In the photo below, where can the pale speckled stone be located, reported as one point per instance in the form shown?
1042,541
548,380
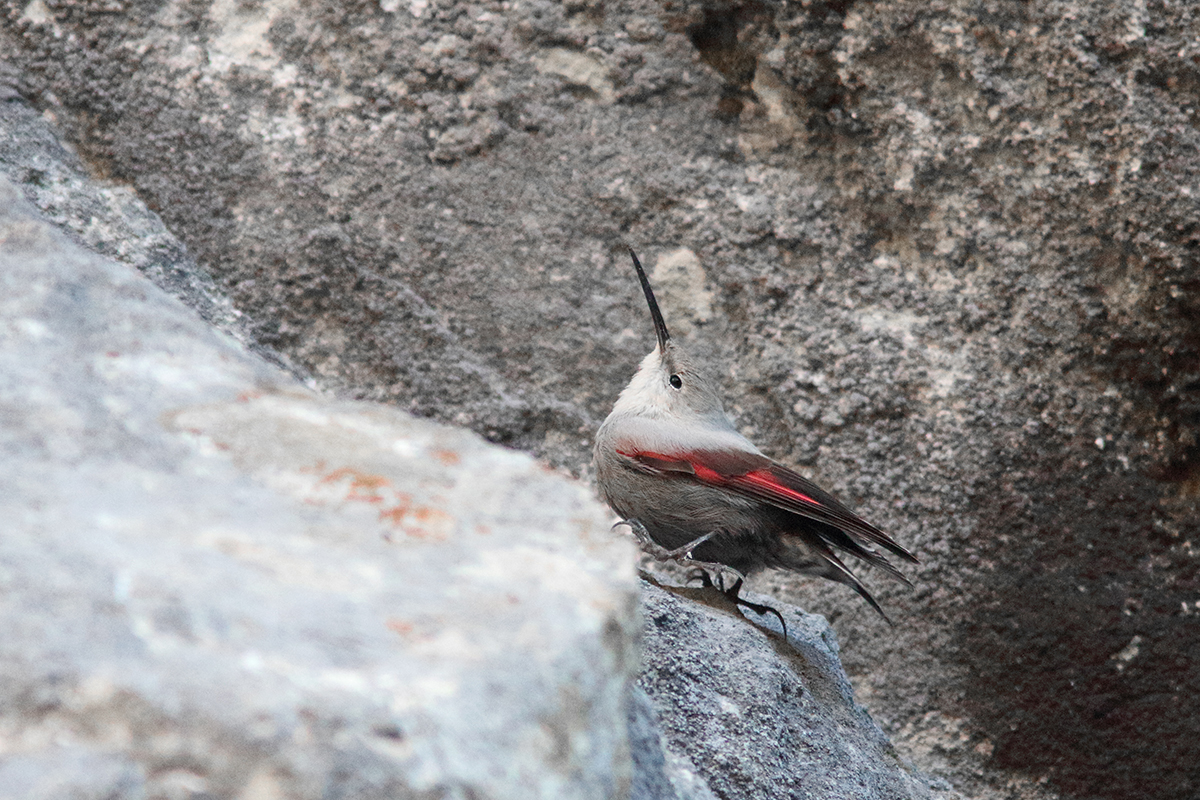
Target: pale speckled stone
206,563
680,286
978,218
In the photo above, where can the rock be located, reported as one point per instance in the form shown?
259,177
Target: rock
214,582
752,716
952,257
678,275
577,69
350,469
107,219
70,773
651,780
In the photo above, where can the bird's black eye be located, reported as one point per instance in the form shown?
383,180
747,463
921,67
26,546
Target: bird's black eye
676,382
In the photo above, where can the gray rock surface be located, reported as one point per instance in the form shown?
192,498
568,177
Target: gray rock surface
108,219
216,475
70,773
744,714
947,262
215,583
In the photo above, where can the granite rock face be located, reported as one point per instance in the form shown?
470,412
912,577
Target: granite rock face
215,583
744,714
944,253
219,584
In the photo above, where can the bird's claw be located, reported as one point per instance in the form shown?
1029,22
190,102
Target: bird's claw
685,553
764,609
680,555
711,566
642,535
733,593
683,557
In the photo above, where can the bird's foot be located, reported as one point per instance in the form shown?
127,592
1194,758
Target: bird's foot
681,555
706,581
758,608
685,553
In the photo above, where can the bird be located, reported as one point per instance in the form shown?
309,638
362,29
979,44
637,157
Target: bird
669,461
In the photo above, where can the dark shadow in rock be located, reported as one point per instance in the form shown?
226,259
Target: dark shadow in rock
1079,639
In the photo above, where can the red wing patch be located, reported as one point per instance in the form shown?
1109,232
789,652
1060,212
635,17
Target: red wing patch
755,476
726,470
766,480
781,487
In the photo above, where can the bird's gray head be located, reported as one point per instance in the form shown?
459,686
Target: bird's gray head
668,382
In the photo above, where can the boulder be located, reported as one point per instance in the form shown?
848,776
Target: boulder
744,713
942,253
217,583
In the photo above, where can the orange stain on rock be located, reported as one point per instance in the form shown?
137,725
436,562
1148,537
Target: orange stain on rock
398,512
363,487
396,508
447,458
419,522
428,514
400,626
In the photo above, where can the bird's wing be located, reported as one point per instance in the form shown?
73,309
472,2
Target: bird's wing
751,474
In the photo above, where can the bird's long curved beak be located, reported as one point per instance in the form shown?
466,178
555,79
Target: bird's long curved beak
660,327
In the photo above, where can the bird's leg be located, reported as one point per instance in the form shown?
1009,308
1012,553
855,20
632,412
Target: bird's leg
685,553
758,608
680,555
707,582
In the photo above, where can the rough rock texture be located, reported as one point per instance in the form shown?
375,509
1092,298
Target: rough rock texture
214,583
948,265
746,715
106,218
70,773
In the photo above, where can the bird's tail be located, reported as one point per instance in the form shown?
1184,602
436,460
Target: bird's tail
817,558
